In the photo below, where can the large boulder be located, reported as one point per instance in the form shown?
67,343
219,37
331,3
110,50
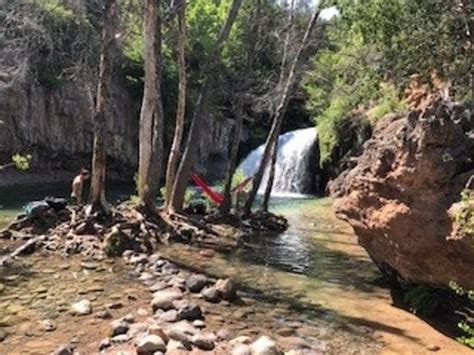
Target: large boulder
398,195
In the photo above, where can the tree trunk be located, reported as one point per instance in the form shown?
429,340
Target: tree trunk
239,116
279,114
99,155
151,115
175,152
271,174
233,155
189,156
283,71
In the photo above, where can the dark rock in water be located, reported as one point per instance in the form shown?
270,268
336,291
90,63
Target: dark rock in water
189,311
66,349
57,204
37,208
195,283
398,196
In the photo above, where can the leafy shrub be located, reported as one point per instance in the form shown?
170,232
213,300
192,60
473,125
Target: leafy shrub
388,103
466,325
464,218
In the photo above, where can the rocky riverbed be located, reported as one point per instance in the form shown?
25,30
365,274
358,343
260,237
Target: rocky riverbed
146,304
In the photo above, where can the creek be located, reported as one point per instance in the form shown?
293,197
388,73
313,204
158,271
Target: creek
313,281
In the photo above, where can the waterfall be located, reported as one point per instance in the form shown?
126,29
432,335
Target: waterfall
295,169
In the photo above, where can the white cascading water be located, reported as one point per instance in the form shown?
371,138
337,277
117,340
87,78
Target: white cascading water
293,172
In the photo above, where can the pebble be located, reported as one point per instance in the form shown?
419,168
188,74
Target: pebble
66,349
169,316
104,344
119,339
119,327
157,330
164,299
115,305
158,286
3,335
181,331
203,341
89,265
433,347
104,314
285,332
210,295
241,349
225,334
142,312
195,283
82,307
150,344
190,311
227,289
264,346
199,324
129,318
48,325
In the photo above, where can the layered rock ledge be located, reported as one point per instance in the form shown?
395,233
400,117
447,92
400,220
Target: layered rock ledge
399,194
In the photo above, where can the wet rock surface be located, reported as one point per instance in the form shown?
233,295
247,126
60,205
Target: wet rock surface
398,196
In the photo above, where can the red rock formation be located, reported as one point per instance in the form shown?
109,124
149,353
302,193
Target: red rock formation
398,195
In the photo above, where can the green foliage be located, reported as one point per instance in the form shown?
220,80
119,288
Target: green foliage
464,218
370,52
64,42
423,300
22,162
467,325
238,177
388,103
420,37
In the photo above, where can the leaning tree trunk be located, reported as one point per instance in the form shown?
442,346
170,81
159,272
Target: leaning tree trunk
271,174
279,114
189,156
283,71
181,107
239,116
99,155
234,151
151,115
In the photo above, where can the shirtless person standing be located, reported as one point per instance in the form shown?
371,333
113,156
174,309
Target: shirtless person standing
77,185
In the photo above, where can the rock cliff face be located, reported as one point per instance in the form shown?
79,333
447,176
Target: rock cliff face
398,195
55,125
